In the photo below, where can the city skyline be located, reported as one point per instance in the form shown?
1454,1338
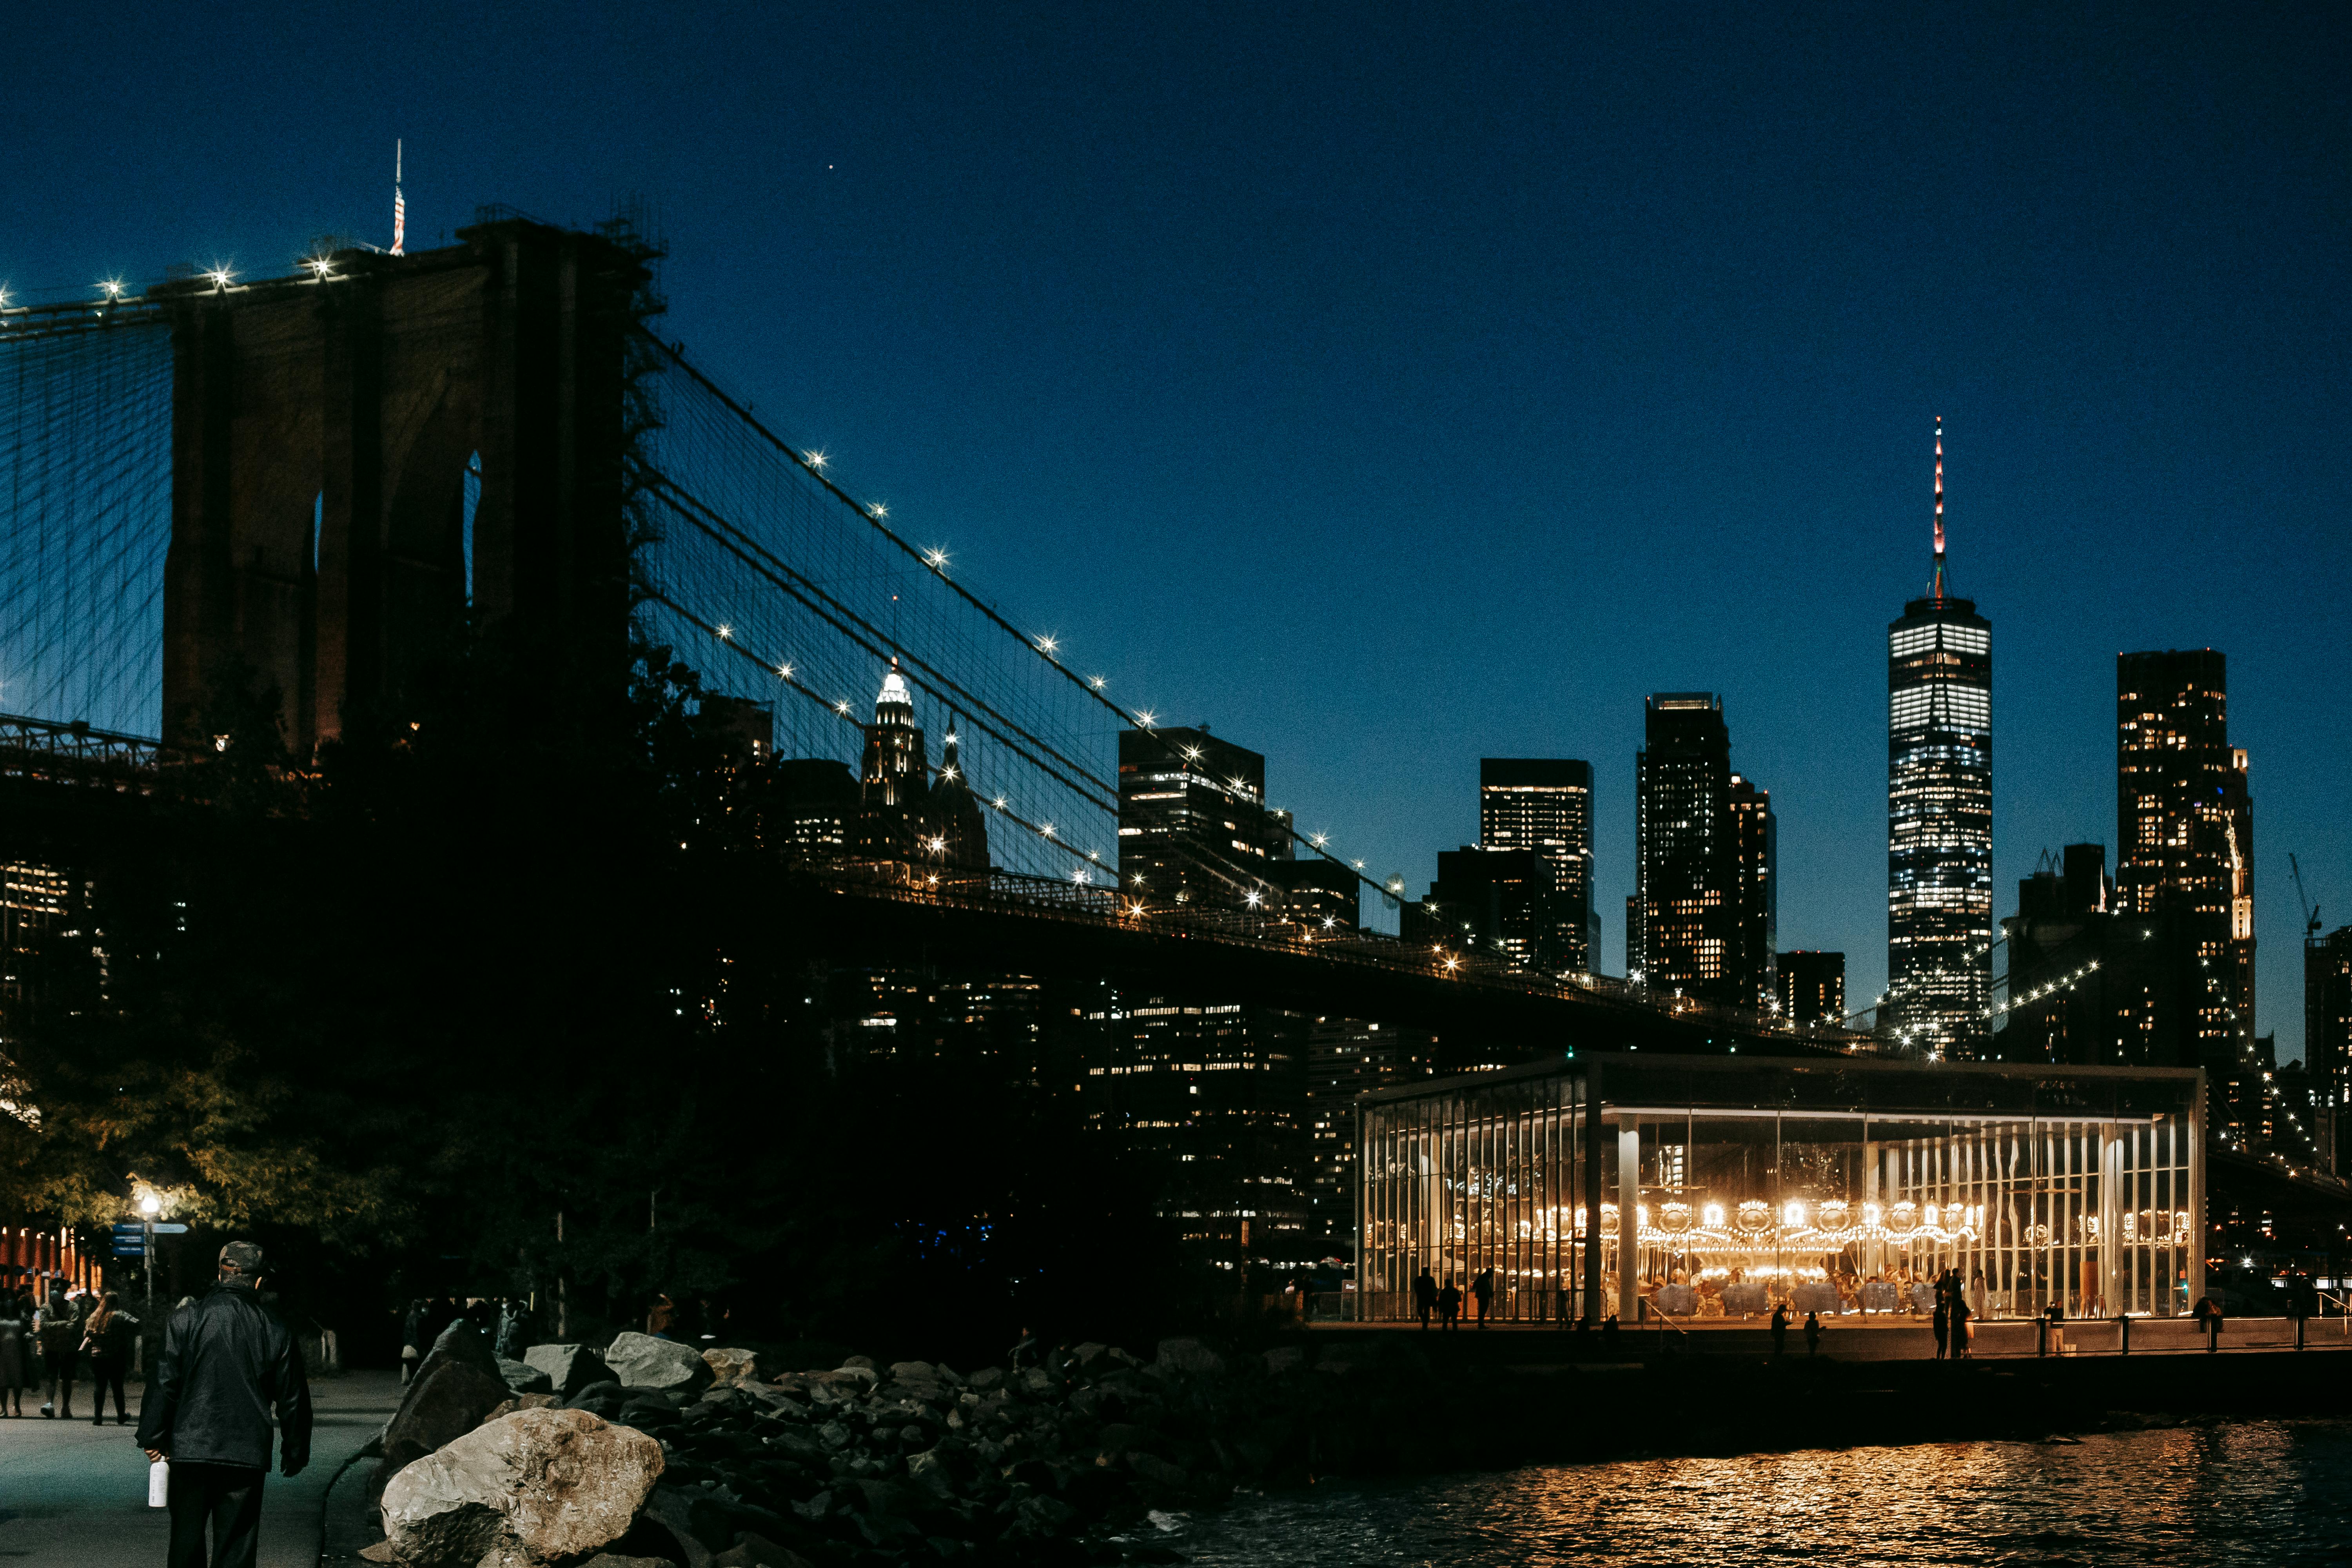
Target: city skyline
1114,322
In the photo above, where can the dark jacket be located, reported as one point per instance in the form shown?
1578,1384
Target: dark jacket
227,1361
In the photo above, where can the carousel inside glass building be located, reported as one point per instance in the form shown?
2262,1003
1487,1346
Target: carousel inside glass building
1705,1190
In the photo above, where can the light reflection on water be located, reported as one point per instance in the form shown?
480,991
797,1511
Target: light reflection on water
2270,1493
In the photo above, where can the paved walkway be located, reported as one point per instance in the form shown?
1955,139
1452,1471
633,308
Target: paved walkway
74,1495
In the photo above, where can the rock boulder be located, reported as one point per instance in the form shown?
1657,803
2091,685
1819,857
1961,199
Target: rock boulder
448,1399
569,1368
525,1378
534,1488
732,1365
641,1361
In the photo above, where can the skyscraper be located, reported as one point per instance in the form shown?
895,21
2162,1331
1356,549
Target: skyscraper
1688,894
1755,841
1193,827
1938,813
2327,1040
1493,901
1545,803
903,815
1812,986
2187,826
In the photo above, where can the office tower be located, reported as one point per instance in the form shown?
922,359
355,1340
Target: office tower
1545,803
2327,1040
1686,866
1754,843
2187,827
1193,827
1812,986
1493,901
893,778
1346,1057
1320,894
1939,814
815,809
1212,1097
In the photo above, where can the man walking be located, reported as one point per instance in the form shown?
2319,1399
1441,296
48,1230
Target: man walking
227,1361
59,1336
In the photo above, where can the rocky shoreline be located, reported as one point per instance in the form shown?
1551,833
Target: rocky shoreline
1065,1461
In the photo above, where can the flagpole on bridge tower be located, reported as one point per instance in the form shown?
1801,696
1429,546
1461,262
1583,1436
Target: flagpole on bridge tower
399,206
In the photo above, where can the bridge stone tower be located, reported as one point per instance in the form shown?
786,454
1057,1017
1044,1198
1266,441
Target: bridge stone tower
323,431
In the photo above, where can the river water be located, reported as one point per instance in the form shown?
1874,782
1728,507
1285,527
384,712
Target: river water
2274,1493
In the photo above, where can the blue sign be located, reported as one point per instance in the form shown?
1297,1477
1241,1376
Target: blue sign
131,1250
171,1230
129,1230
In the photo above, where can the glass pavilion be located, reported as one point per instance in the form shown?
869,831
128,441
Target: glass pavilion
1711,1188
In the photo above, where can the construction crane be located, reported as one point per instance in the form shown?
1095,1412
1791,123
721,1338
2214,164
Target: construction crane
2310,909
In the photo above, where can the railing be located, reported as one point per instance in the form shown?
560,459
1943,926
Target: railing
39,748
1006,892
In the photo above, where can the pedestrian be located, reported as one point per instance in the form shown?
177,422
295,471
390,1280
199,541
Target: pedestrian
1812,1335
1961,1327
1424,1297
514,1332
1482,1290
15,1351
1780,1329
58,1332
1943,1322
1449,1305
1025,1351
106,1338
413,1339
228,1362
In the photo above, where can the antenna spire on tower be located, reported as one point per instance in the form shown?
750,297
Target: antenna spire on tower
399,205
1939,590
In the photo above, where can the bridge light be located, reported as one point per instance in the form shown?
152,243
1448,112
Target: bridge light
1252,899
1359,865
1047,646
221,277
786,670
113,288
1192,753
1321,839
726,632
1096,681
1144,720
842,709
1045,829
949,771
1452,964
877,511
816,460
1331,922
319,266
1079,877
936,559
999,803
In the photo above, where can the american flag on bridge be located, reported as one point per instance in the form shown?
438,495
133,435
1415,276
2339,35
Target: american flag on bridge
399,206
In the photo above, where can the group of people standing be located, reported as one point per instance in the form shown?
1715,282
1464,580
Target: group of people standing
1446,1300
60,1326
505,1324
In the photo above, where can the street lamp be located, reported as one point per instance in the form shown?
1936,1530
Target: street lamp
150,1205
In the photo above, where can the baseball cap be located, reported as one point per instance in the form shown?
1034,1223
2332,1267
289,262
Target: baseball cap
245,1254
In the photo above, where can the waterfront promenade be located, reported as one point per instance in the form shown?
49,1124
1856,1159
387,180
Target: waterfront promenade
71,1493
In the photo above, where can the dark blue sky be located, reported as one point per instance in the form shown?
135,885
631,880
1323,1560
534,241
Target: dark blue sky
1397,384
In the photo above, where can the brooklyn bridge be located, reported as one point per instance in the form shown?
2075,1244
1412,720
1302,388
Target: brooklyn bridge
307,481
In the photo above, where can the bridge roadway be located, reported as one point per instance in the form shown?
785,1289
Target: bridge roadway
851,911
72,797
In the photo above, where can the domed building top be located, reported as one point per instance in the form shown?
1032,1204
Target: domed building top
895,695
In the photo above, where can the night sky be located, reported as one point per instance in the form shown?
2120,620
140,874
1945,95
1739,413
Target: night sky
1393,385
